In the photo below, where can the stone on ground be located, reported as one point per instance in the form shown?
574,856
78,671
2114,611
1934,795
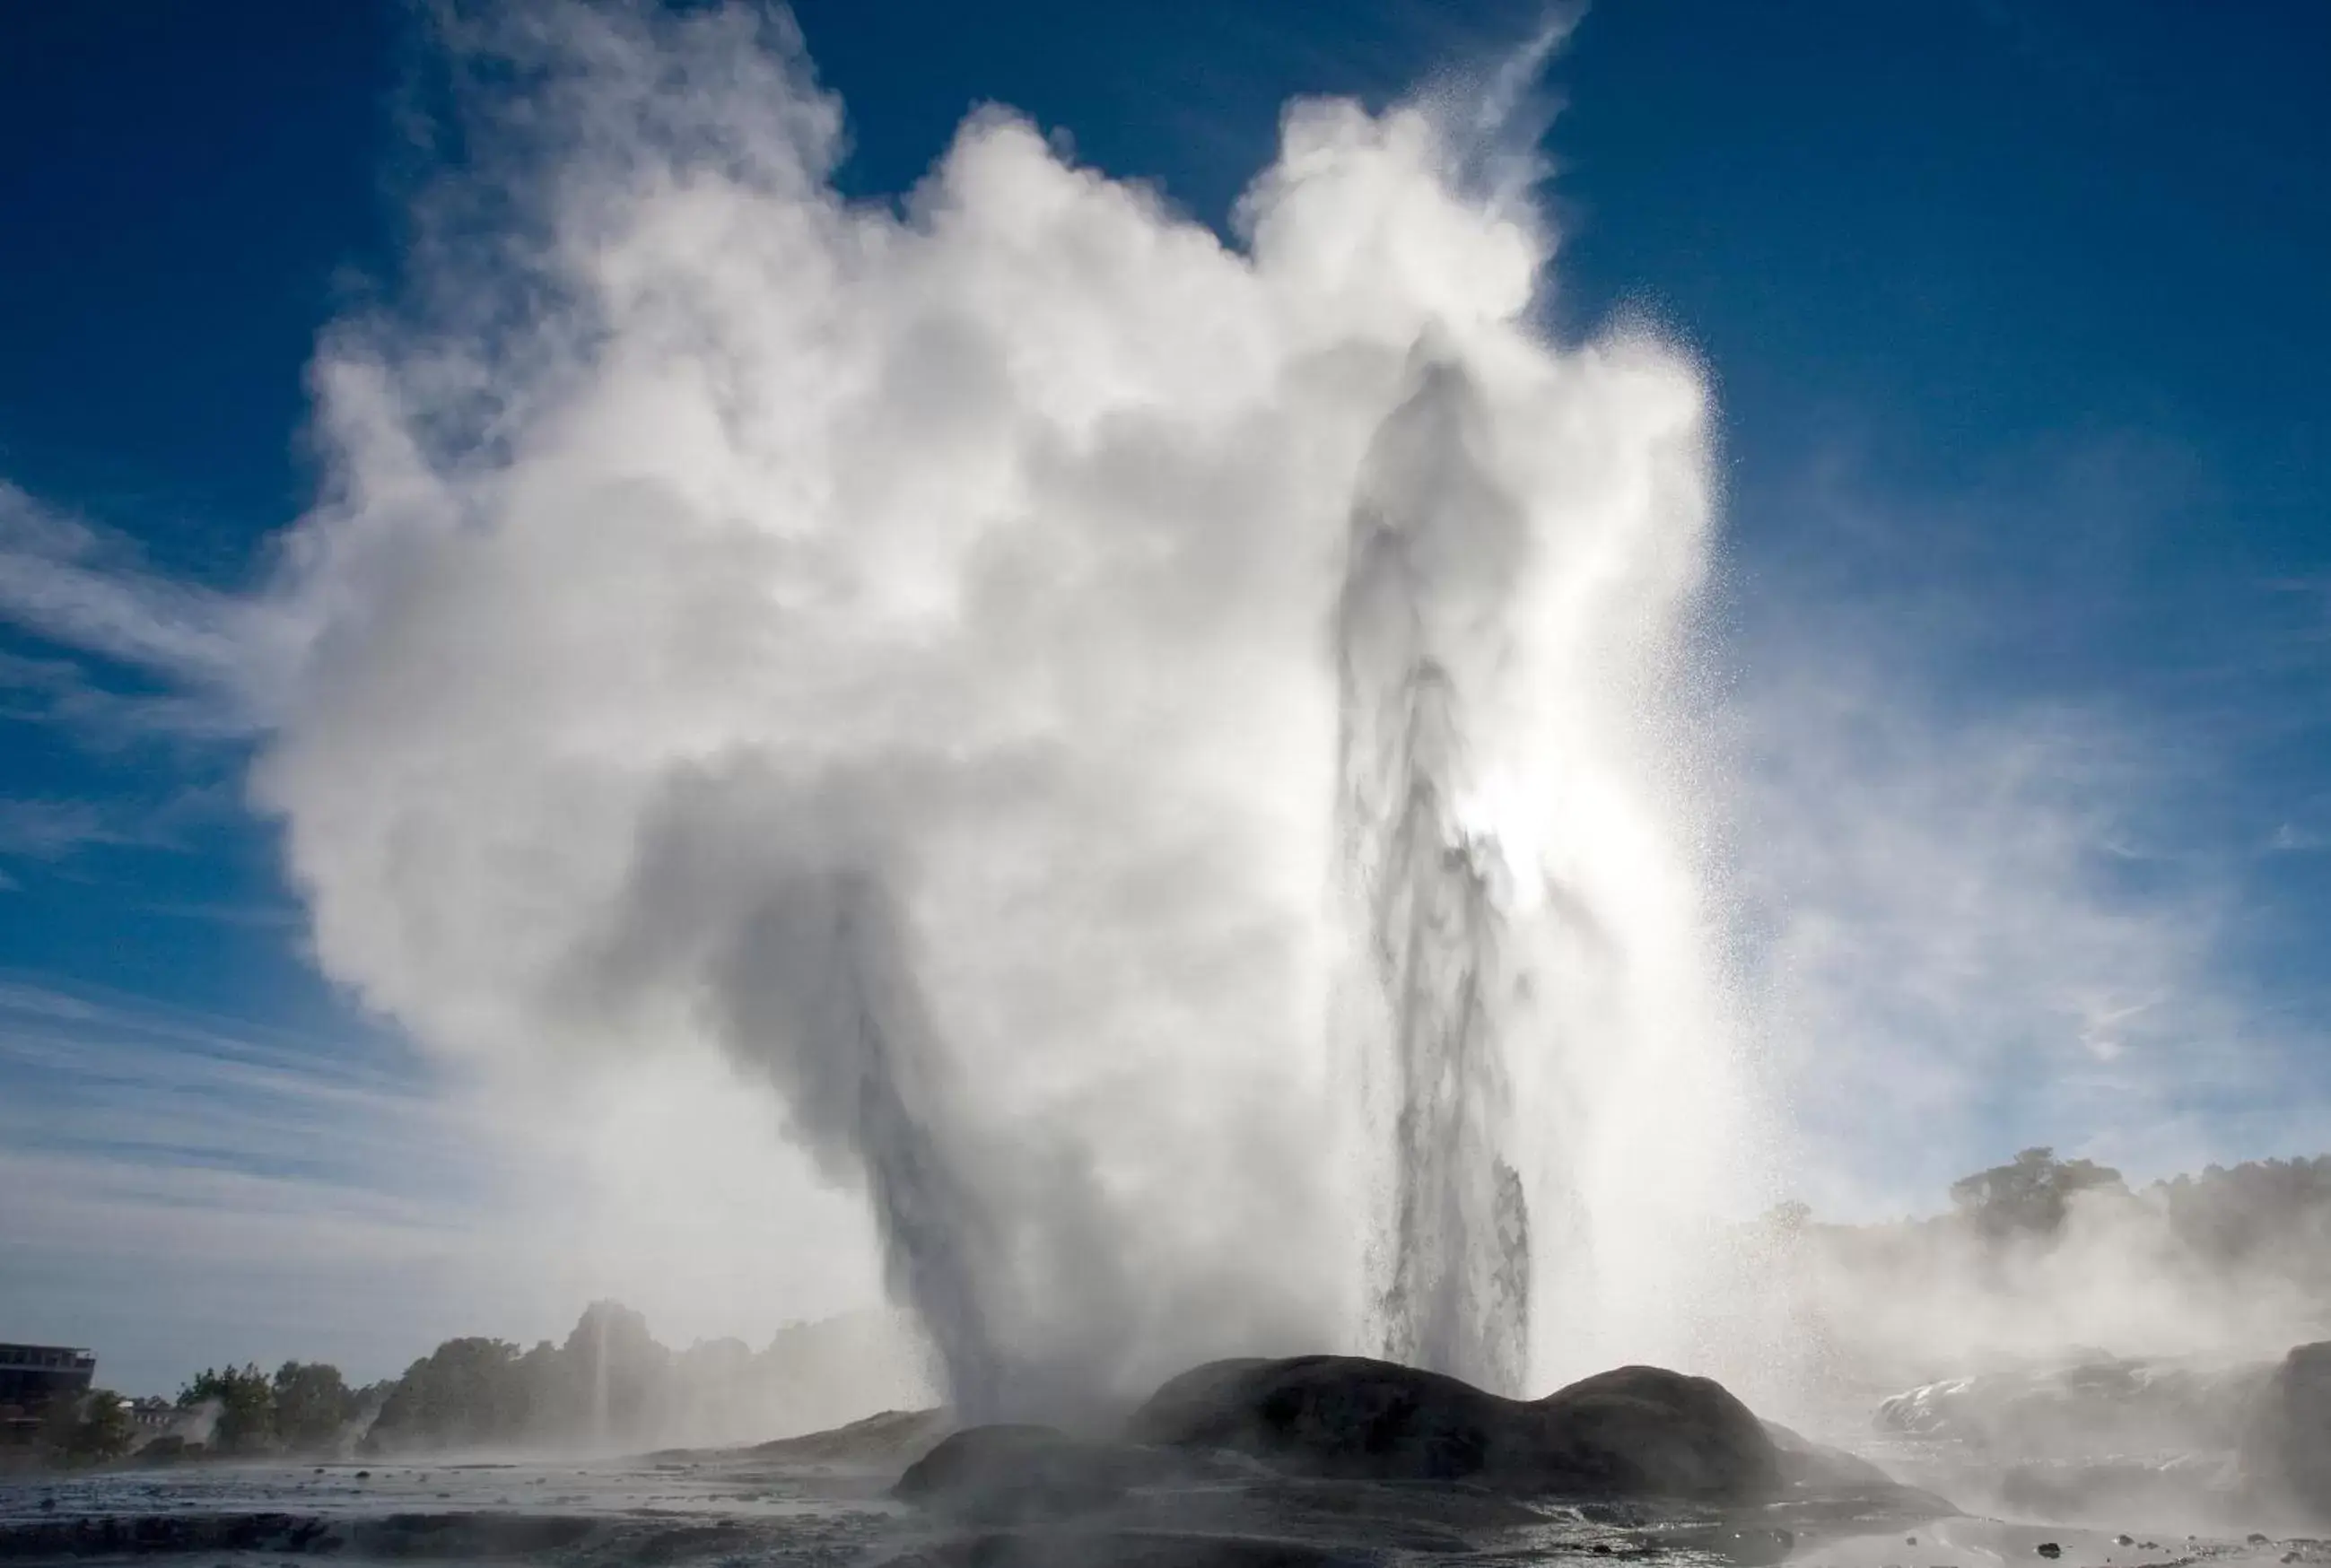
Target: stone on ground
1636,1431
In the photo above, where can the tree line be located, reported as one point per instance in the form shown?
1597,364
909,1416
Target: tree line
303,1407
608,1383
2263,1214
2043,1256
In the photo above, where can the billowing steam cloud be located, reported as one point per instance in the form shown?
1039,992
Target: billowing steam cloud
1166,757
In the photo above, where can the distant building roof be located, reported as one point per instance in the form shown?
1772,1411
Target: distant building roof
31,1375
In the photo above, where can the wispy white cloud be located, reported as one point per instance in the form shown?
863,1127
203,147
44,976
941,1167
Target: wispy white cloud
55,830
2307,833
1983,913
86,589
50,830
226,1172
137,655
176,1190
257,913
1950,967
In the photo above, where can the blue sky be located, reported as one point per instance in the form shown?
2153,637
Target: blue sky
2016,320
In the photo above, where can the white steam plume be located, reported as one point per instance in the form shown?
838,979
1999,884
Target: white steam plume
898,650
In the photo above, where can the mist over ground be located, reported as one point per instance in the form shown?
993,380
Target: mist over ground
2168,1302
2045,1262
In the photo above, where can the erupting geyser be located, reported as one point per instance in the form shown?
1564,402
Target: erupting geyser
1172,758
1436,547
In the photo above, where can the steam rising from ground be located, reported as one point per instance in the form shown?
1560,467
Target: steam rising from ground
899,649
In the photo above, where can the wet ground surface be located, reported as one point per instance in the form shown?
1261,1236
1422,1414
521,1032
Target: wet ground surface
652,1485
647,1510
738,1508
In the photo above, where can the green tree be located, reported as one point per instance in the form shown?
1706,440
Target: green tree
610,1379
88,1429
465,1392
1788,1219
243,1407
312,1404
616,1375
2031,1194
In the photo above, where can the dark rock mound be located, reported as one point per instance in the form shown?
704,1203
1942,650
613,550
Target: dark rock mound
1342,1417
1637,1431
1806,1463
1004,1474
169,1448
1646,1431
2286,1454
1840,1485
890,1440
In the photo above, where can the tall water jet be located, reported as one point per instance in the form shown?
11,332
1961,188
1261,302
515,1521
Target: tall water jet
1433,549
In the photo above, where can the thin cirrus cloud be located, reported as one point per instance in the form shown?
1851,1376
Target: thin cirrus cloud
51,830
149,1153
69,582
1993,903
125,661
287,1195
